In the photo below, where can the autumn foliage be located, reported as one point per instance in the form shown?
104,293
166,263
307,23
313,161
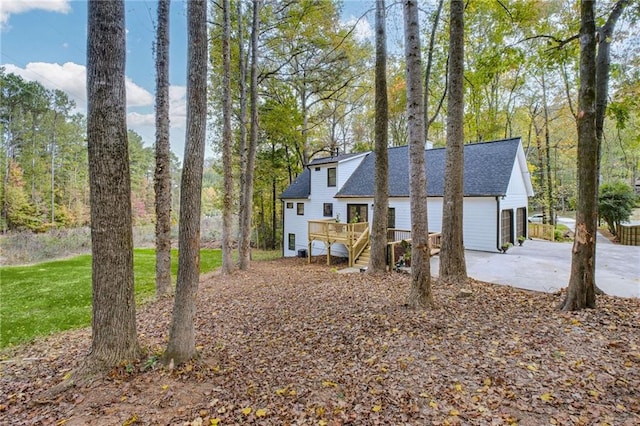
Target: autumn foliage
291,343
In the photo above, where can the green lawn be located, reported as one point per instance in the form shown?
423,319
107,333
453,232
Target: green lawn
54,296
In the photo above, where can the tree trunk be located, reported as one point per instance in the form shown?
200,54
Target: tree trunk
453,267
427,75
162,185
548,195
581,288
227,198
244,245
181,345
242,123
420,295
378,260
603,66
114,337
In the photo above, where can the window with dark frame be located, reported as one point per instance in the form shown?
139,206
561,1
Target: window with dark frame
289,205
300,208
391,217
331,176
327,209
292,241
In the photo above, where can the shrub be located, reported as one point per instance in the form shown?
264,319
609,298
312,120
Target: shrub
615,204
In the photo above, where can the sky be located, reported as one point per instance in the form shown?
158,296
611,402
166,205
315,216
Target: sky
45,41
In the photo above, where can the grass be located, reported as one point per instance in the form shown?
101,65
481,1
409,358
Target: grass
49,297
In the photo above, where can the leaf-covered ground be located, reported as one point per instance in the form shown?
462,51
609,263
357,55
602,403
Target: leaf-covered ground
291,343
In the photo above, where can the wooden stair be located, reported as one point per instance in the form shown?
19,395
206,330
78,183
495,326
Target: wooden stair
363,260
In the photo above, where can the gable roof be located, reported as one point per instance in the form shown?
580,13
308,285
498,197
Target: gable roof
333,159
487,172
301,186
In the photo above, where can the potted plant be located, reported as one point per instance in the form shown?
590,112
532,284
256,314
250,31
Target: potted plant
505,247
405,258
521,240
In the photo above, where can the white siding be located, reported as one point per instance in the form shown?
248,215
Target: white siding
480,223
347,167
314,207
516,196
295,224
403,212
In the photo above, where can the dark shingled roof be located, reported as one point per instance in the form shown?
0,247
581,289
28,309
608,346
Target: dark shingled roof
335,159
300,187
487,171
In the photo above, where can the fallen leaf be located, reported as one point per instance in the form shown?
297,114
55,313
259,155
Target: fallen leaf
246,411
376,408
546,397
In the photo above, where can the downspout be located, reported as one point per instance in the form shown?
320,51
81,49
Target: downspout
284,235
498,245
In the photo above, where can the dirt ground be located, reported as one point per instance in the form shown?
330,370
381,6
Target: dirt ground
294,344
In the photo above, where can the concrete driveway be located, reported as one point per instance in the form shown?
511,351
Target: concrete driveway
545,266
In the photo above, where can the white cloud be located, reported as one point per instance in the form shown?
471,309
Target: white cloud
12,7
363,30
69,77
72,79
177,111
178,106
136,119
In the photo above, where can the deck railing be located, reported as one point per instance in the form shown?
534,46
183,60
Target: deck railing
399,241
355,236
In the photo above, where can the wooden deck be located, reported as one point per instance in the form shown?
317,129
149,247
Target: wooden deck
355,236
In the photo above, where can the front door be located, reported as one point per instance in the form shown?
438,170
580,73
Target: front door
357,213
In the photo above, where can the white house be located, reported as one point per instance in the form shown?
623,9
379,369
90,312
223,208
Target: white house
497,186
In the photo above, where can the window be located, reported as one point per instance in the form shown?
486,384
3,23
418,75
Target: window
289,205
300,207
292,241
331,176
327,209
391,217
357,213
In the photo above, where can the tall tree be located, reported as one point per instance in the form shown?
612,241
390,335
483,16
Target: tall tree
244,245
243,148
114,337
452,262
581,288
162,185
420,295
603,67
429,67
181,345
227,197
381,189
